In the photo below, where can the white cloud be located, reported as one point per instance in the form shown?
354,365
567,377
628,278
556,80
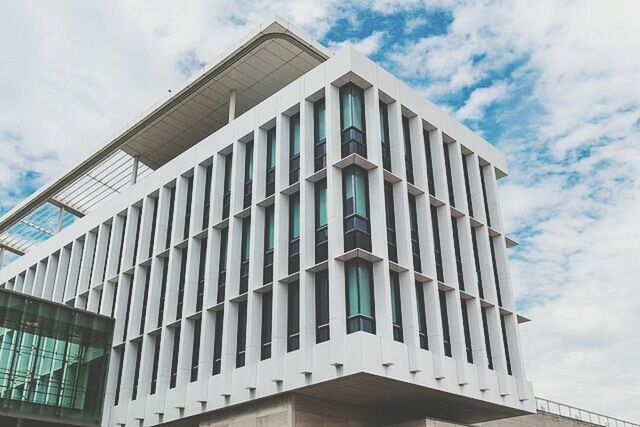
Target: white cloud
368,45
480,99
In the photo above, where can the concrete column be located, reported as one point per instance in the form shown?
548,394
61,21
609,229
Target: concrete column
134,169
59,221
232,105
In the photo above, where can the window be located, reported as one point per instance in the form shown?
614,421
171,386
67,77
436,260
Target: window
143,315
195,352
207,196
391,221
126,316
294,148
217,344
201,270
465,170
322,306
447,165
415,237
506,343
352,120
360,304
356,208
319,136
436,243
396,307
456,246
408,160
476,259
248,175
245,250
467,330
241,334
427,150
181,282
271,162
265,333
484,195
269,240
154,220
122,237
294,233
172,203
135,245
422,317
487,339
496,276
446,335
187,209
226,198
119,380
106,254
174,358
163,291
136,372
384,135
222,264
293,316
156,360
322,230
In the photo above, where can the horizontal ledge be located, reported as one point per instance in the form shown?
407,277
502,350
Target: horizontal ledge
390,177
358,253
318,176
292,189
354,159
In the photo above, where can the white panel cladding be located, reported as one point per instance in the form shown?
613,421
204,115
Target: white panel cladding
89,265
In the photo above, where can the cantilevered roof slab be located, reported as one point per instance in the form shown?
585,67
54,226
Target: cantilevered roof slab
258,68
267,60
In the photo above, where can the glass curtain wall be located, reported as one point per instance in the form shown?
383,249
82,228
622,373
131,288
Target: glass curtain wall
53,359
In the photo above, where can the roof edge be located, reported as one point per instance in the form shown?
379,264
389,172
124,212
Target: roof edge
274,28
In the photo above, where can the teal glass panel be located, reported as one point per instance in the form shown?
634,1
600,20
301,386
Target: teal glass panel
249,162
352,287
364,290
270,230
351,107
271,148
295,217
395,300
246,238
320,124
53,360
359,289
294,135
227,173
361,193
322,206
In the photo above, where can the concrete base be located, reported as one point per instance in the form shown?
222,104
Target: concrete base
299,410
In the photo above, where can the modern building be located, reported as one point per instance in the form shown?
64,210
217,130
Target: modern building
294,226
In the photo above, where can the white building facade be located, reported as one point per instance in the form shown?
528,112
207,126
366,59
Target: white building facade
342,236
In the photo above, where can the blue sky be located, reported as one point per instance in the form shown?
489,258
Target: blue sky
556,85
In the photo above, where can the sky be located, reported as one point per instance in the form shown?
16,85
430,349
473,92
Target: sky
554,84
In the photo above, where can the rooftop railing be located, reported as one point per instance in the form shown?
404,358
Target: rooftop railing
568,411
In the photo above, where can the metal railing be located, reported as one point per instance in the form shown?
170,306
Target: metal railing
568,411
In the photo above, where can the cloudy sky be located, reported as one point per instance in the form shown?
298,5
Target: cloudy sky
555,84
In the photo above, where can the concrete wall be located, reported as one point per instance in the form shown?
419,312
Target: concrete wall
536,420
298,410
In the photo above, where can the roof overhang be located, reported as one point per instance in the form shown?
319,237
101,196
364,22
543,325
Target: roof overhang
267,60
